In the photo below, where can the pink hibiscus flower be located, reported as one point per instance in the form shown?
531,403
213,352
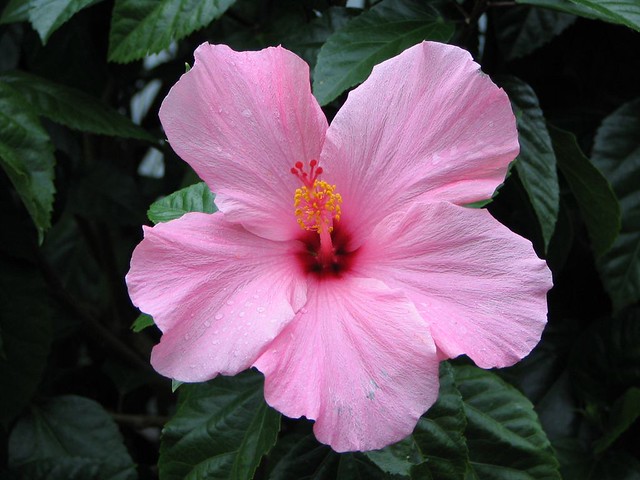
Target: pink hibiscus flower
342,263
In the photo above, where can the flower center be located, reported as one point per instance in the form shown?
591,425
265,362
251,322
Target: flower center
317,206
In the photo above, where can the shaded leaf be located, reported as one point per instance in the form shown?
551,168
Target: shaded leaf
47,16
606,360
73,108
597,202
623,12
616,153
26,330
536,163
624,412
195,198
221,429
26,155
142,27
521,30
306,42
15,11
382,32
69,437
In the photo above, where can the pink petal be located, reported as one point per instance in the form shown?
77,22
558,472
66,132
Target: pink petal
242,120
218,293
427,125
481,287
359,361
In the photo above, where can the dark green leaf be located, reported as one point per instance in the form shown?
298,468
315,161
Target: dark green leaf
480,427
437,445
390,27
175,384
195,198
504,437
521,30
143,321
536,163
306,459
623,12
624,412
221,429
15,11
616,152
307,41
606,360
26,155
579,463
596,200
69,438
73,108
141,27
47,16
25,326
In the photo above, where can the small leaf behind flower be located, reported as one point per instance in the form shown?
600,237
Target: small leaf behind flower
195,198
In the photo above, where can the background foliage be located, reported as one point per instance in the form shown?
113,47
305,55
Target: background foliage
83,159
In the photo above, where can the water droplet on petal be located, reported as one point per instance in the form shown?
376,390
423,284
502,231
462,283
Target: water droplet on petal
260,309
241,314
219,316
229,302
207,323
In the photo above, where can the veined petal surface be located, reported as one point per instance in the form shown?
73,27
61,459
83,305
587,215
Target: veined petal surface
359,360
219,294
480,287
242,120
426,125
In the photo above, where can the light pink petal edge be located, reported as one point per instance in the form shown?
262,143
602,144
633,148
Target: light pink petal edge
219,294
360,362
427,125
242,120
480,287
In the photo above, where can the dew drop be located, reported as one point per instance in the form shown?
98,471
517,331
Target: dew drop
207,323
260,309
229,302
303,310
241,314
219,316
187,336
255,297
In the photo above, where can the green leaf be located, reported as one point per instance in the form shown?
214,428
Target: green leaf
195,198
71,438
624,412
73,108
616,153
579,463
221,429
142,27
382,32
504,438
26,329
622,12
26,155
47,16
143,321
536,163
521,30
15,11
480,427
175,384
437,449
596,200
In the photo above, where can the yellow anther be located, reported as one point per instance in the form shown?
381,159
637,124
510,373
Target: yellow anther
317,207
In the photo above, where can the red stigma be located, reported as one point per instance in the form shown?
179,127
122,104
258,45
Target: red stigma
307,178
